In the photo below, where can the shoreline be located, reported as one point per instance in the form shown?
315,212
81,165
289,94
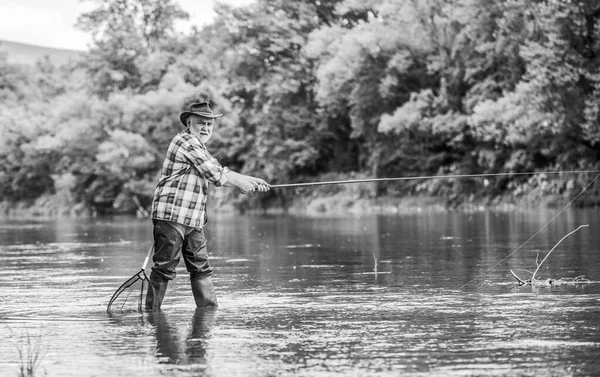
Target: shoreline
339,204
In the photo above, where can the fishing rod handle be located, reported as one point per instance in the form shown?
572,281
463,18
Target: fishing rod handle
328,183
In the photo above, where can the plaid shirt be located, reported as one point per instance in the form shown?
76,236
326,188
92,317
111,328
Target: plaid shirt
181,193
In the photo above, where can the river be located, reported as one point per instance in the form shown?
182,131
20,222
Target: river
421,294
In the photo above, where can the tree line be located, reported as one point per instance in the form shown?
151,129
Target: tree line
314,89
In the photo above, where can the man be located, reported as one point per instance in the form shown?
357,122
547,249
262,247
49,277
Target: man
179,207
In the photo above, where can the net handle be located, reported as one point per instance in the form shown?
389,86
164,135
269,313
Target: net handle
150,251
141,275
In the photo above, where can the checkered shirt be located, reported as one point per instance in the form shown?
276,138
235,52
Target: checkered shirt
182,190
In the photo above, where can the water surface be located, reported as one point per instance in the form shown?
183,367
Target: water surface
418,294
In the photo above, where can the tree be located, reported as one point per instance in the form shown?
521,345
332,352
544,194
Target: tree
270,80
130,40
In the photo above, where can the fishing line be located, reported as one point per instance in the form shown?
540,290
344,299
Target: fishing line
530,238
430,177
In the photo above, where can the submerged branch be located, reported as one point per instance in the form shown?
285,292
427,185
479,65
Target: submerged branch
550,252
521,281
375,267
533,281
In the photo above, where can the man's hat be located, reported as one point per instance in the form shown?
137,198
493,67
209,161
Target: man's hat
203,109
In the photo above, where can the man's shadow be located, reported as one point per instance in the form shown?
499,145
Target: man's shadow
171,349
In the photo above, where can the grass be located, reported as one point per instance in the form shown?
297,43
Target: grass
30,356
31,353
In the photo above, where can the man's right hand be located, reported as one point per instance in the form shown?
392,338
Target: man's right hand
246,183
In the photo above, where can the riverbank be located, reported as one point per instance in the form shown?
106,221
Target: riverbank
345,204
342,203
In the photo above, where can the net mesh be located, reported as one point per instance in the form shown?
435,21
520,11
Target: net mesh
130,295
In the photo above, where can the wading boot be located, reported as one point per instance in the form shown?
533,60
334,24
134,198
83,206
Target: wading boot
204,292
157,288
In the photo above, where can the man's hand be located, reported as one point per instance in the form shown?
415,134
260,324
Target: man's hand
246,183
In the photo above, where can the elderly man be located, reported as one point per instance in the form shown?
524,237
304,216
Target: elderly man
179,207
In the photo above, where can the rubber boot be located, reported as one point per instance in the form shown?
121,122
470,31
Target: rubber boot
157,288
204,292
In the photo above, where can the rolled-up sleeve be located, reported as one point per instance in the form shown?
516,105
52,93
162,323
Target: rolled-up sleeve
208,166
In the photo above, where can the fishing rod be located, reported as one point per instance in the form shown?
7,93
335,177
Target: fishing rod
429,177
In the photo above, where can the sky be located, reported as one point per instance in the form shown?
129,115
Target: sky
50,23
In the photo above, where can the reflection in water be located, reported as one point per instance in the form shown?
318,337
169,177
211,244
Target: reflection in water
189,350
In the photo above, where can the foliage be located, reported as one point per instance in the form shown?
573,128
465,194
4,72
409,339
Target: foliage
313,89
133,43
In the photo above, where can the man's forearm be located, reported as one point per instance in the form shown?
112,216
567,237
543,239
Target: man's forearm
233,179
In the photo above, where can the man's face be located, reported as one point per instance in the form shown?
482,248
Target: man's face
201,127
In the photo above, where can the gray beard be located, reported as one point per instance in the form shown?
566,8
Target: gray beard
203,138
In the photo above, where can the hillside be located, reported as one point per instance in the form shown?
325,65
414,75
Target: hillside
29,54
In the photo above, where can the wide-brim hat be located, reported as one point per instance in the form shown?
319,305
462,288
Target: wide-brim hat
203,109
